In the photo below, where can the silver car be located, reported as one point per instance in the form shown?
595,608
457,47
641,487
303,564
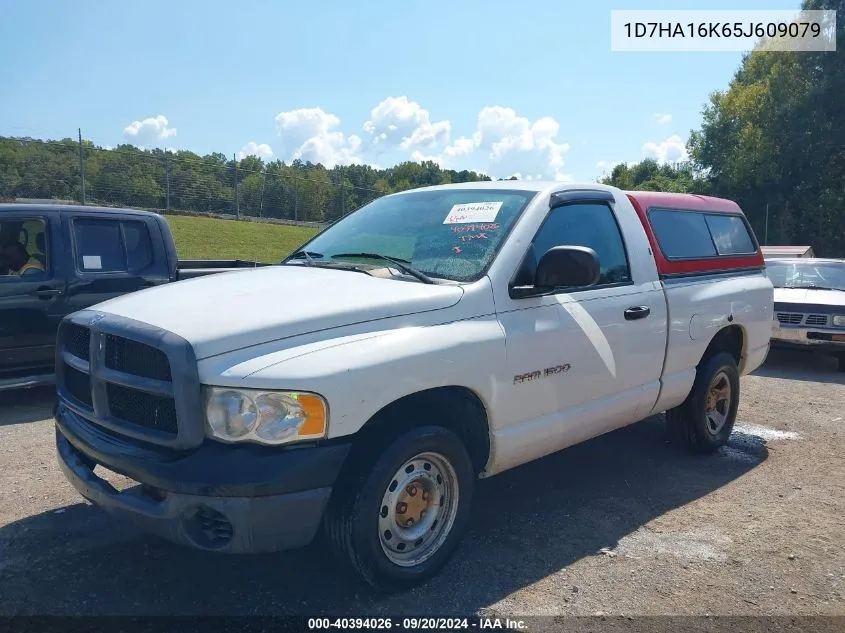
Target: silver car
809,305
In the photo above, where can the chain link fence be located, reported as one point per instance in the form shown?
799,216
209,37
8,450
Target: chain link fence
181,182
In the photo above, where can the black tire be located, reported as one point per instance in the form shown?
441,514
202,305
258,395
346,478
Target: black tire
352,521
688,423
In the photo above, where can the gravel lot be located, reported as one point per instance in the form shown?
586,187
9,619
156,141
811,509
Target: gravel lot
624,524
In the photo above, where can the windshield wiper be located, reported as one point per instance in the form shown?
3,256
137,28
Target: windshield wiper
308,255
812,288
401,264
823,288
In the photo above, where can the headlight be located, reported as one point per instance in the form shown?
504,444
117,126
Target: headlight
265,417
839,320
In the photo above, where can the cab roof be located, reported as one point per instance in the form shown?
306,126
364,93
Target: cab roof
682,201
12,208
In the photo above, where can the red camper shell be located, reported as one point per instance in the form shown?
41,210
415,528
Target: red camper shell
693,235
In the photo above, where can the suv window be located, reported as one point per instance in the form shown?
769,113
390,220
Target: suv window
111,245
23,248
139,249
99,246
592,225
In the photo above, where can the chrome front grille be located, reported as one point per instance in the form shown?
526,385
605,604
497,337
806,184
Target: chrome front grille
816,319
130,378
790,318
799,318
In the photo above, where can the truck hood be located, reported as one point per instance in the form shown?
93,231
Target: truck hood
229,311
810,296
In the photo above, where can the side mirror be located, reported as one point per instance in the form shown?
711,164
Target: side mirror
562,267
566,266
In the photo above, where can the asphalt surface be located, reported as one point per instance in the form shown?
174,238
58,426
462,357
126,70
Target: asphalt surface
622,525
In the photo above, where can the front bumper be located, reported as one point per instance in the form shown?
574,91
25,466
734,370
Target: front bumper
825,340
227,498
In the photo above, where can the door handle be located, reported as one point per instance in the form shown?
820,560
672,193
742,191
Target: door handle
46,293
637,312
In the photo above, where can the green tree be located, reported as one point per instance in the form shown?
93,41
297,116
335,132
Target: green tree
649,175
775,139
134,177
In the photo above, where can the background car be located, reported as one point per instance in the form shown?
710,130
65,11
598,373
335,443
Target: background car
809,305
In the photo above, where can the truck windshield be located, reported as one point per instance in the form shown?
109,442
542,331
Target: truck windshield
447,233
827,275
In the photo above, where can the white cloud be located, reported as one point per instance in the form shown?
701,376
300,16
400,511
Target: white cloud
462,146
419,157
672,150
502,144
400,121
510,145
261,150
515,144
662,119
309,134
149,131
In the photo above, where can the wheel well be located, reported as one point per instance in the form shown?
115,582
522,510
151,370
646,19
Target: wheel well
456,408
730,339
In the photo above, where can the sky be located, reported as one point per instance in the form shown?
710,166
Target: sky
527,88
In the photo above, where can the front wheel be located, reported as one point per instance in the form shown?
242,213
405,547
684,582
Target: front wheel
705,420
400,521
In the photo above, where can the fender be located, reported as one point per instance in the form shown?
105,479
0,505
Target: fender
362,374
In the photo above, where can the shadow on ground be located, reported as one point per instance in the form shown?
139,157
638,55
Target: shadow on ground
21,406
797,365
528,523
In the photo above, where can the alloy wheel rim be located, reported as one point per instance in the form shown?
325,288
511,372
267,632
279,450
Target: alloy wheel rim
718,403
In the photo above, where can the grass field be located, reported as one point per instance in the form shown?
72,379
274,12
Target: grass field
210,238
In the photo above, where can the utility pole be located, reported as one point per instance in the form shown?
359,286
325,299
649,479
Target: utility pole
342,193
167,175
263,182
237,197
766,232
81,165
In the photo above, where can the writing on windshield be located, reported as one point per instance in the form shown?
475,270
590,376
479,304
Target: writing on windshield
449,233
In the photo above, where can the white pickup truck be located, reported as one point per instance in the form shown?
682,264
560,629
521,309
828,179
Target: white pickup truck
430,338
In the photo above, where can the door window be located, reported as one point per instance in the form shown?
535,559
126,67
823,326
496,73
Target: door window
23,248
592,225
111,245
139,249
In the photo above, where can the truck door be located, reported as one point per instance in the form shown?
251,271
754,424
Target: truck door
112,255
586,361
32,296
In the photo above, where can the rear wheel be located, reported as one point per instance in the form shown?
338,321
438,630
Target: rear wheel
399,521
705,420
